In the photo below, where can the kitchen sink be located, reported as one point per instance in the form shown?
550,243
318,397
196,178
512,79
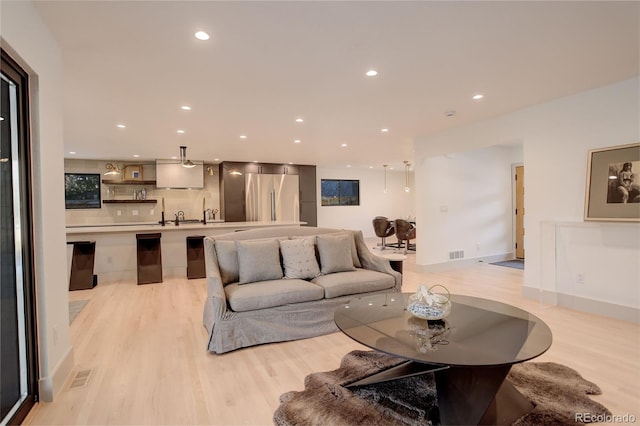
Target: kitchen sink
172,222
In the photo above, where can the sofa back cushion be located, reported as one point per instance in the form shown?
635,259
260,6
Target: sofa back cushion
335,252
299,258
227,261
258,260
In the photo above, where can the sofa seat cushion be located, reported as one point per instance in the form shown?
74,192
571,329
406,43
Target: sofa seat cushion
267,294
353,282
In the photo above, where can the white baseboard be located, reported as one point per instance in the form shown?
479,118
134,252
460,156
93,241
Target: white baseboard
463,263
52,385
611,310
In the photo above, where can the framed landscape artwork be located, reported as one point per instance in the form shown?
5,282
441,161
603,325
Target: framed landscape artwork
613,184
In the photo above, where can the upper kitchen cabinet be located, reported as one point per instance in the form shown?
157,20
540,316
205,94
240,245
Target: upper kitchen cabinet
271,169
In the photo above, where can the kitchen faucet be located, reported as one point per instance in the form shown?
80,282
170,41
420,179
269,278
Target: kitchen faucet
211,213
179,217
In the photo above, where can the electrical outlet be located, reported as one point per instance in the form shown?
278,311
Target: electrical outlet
118,212
152,212
54,334
134,212
109,259
580,278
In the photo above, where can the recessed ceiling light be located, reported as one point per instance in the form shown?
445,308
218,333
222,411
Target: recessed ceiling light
255,161
299,120
372,73
478,96
201,35
385,130
297,141
371,167
185,108
72,152
174,158
180,131
120,126
344,145
216,159
290,162
136,155
348,165
450,114
243,136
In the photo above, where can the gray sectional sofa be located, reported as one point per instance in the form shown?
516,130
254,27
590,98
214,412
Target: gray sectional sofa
284,283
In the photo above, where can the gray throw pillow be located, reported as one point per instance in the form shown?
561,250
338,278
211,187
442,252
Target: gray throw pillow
258,260
227,261
335,253
299,258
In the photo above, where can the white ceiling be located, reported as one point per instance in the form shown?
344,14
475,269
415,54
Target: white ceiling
270,62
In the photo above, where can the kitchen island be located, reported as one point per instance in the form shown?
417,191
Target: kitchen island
115,256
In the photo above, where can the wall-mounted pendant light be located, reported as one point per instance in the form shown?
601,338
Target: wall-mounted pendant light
112,169
183,158
385,177
406,176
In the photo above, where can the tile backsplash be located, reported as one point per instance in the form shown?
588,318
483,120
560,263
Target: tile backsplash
187,200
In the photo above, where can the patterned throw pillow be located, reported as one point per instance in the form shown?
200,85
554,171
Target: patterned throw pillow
299,258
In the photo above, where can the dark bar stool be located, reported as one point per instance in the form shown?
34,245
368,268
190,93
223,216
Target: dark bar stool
82,277
195,257
149,253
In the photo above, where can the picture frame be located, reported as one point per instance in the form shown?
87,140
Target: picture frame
132,172
613,184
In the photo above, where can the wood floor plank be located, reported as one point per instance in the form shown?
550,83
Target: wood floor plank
146,348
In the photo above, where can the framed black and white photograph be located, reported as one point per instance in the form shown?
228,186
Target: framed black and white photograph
613,184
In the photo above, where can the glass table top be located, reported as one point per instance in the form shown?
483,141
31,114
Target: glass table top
477,332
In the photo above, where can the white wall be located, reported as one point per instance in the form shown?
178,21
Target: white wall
469,205
394,204
29,42
556,137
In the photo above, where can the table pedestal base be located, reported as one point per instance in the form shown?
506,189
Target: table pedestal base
466,395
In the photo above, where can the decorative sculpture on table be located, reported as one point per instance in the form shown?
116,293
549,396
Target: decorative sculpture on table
428,305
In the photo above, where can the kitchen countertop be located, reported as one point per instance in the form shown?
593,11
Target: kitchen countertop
148,226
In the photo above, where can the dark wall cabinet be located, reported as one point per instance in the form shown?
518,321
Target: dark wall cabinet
232,191
232,188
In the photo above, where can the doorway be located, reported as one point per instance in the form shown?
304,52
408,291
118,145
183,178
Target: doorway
18,378
519,210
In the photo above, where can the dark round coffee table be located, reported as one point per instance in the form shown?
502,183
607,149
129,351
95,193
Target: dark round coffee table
470,352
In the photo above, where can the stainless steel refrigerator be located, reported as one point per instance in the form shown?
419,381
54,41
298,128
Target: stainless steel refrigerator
272,197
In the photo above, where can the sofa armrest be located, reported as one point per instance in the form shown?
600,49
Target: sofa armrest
216,301
375,263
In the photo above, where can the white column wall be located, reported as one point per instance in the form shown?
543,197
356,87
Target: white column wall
470,204
26,38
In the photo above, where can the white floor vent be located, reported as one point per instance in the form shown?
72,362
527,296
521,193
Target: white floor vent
81,379
454,255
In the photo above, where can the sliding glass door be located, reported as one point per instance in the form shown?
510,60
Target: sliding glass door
18,366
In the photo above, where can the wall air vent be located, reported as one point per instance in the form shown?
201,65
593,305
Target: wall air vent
455,255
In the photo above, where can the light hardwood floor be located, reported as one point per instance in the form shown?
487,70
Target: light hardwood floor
145,347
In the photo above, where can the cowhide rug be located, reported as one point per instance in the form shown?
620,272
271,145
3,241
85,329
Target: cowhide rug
558,392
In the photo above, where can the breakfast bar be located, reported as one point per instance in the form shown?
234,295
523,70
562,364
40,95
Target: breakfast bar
115,244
